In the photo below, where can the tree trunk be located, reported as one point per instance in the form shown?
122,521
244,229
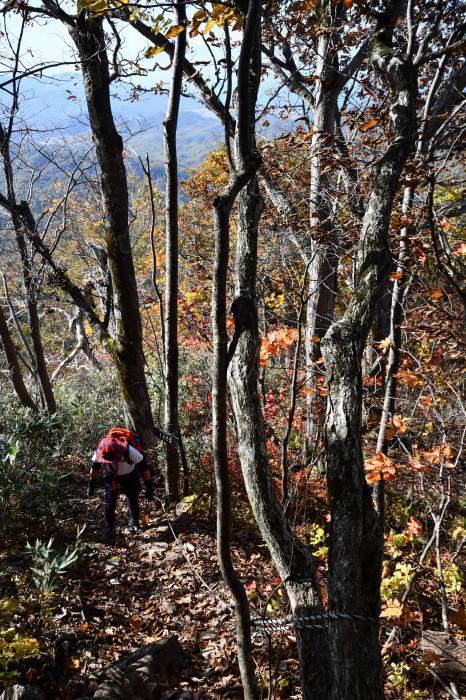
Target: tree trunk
172,469
292,557
13,364
320,251
247,163
356,537
27,276
126,348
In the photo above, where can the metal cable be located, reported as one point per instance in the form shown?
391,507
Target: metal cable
276,624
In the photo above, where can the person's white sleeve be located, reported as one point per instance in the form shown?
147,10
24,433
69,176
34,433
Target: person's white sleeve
134,455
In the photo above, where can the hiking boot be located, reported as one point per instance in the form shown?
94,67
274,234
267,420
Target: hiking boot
134,527
110,534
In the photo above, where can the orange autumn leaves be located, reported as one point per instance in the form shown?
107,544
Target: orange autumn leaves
275,342
395,426
380,466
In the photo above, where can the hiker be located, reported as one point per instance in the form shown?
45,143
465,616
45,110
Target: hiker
118,454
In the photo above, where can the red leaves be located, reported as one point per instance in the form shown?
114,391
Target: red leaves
420,255
437,454
436,357
445,224
408,378
460,249
135,622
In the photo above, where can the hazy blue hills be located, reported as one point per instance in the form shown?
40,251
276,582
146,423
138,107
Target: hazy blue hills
54,113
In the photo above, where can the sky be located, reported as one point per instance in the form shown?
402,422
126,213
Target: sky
49,41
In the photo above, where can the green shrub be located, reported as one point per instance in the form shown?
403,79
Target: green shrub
50,564
26,490
89,405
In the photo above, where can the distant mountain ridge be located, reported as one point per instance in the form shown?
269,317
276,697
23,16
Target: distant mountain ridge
56,111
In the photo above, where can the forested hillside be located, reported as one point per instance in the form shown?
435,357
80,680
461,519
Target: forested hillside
62,136
232,350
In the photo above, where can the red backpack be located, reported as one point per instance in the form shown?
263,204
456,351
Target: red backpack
126,436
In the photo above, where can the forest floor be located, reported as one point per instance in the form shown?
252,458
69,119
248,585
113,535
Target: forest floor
122,596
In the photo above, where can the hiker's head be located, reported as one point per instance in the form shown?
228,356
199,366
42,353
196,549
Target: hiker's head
110,450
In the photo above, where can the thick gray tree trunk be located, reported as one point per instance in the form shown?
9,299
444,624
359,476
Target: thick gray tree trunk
292,557
126,348
172,468
356,538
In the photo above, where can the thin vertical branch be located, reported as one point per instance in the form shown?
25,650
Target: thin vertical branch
171,227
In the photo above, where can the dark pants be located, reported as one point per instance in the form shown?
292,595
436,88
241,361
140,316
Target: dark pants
130,486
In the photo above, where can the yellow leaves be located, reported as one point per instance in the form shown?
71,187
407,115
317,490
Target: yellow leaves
377,466
193,297
393,608
220,14
73,663
16,645
275,342
174,31
197,19
395,427
368,125
10,605
95,7
153,51
210,25
385,343
200,16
